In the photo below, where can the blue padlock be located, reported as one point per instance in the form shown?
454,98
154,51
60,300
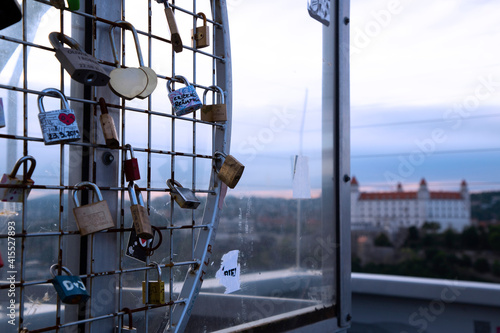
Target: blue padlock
185,99
70,289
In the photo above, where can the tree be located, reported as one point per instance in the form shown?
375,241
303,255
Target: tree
450,238
431,226
470,238
494,240
481,265
382,240
495,268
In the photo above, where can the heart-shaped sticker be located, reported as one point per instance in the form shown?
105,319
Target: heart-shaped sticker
67,118
128,82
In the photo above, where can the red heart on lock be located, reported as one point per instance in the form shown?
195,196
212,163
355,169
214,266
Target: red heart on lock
67,118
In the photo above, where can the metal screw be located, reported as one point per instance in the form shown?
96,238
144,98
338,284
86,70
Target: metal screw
348,317
347,178
107,158
346,20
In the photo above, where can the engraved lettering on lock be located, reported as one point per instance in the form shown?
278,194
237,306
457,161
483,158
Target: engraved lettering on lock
94,219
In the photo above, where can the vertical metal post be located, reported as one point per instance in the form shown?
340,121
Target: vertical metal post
336,157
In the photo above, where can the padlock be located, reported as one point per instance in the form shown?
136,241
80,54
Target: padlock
184,197
231,170
175,37
70,289
15,194
108,126
81,66
124,328
2,114
10,13
215,112
131,82
93,217
140,215
131,166
184,100
58,126
201,38
156,290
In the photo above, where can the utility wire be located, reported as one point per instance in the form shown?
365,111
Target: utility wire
460,151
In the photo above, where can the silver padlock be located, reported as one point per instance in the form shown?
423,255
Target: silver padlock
184,100
125,328
81,66
58,126
184,197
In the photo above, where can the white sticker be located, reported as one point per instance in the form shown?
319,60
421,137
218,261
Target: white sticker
301,183
229,272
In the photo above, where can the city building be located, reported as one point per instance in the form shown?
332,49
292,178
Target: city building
393,210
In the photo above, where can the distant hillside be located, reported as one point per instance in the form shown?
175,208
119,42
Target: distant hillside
485,206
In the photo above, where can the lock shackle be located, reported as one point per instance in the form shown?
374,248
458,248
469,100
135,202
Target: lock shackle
129,147
58,40
217,90
51,92
172,182
104,107
151,250
130,319
63,268
128,26
177,78
203,16
90,185
154,263
22,160
135,194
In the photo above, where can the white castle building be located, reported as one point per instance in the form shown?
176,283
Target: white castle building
392,210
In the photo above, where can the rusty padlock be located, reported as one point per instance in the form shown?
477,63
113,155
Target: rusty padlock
93,217
15,194
58,126
172,25
130,327
231,170
156,289
215,112
131,166
184,100
201,37
81,66
108,126
131,82
184,197
140,216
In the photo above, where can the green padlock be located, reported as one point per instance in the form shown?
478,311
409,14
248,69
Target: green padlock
70,289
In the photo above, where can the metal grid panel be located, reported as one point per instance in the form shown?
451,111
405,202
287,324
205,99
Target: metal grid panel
99,258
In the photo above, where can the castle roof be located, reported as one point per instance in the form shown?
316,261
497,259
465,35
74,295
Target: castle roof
408,196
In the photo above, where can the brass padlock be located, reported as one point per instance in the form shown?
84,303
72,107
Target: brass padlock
201,38
58,126
108,126
131,82
184,197
156,289
215,112
231,170
175,37
140,215
125,328
93,217
81,66
15,194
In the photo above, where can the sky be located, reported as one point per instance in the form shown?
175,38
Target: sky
425,91
424,84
